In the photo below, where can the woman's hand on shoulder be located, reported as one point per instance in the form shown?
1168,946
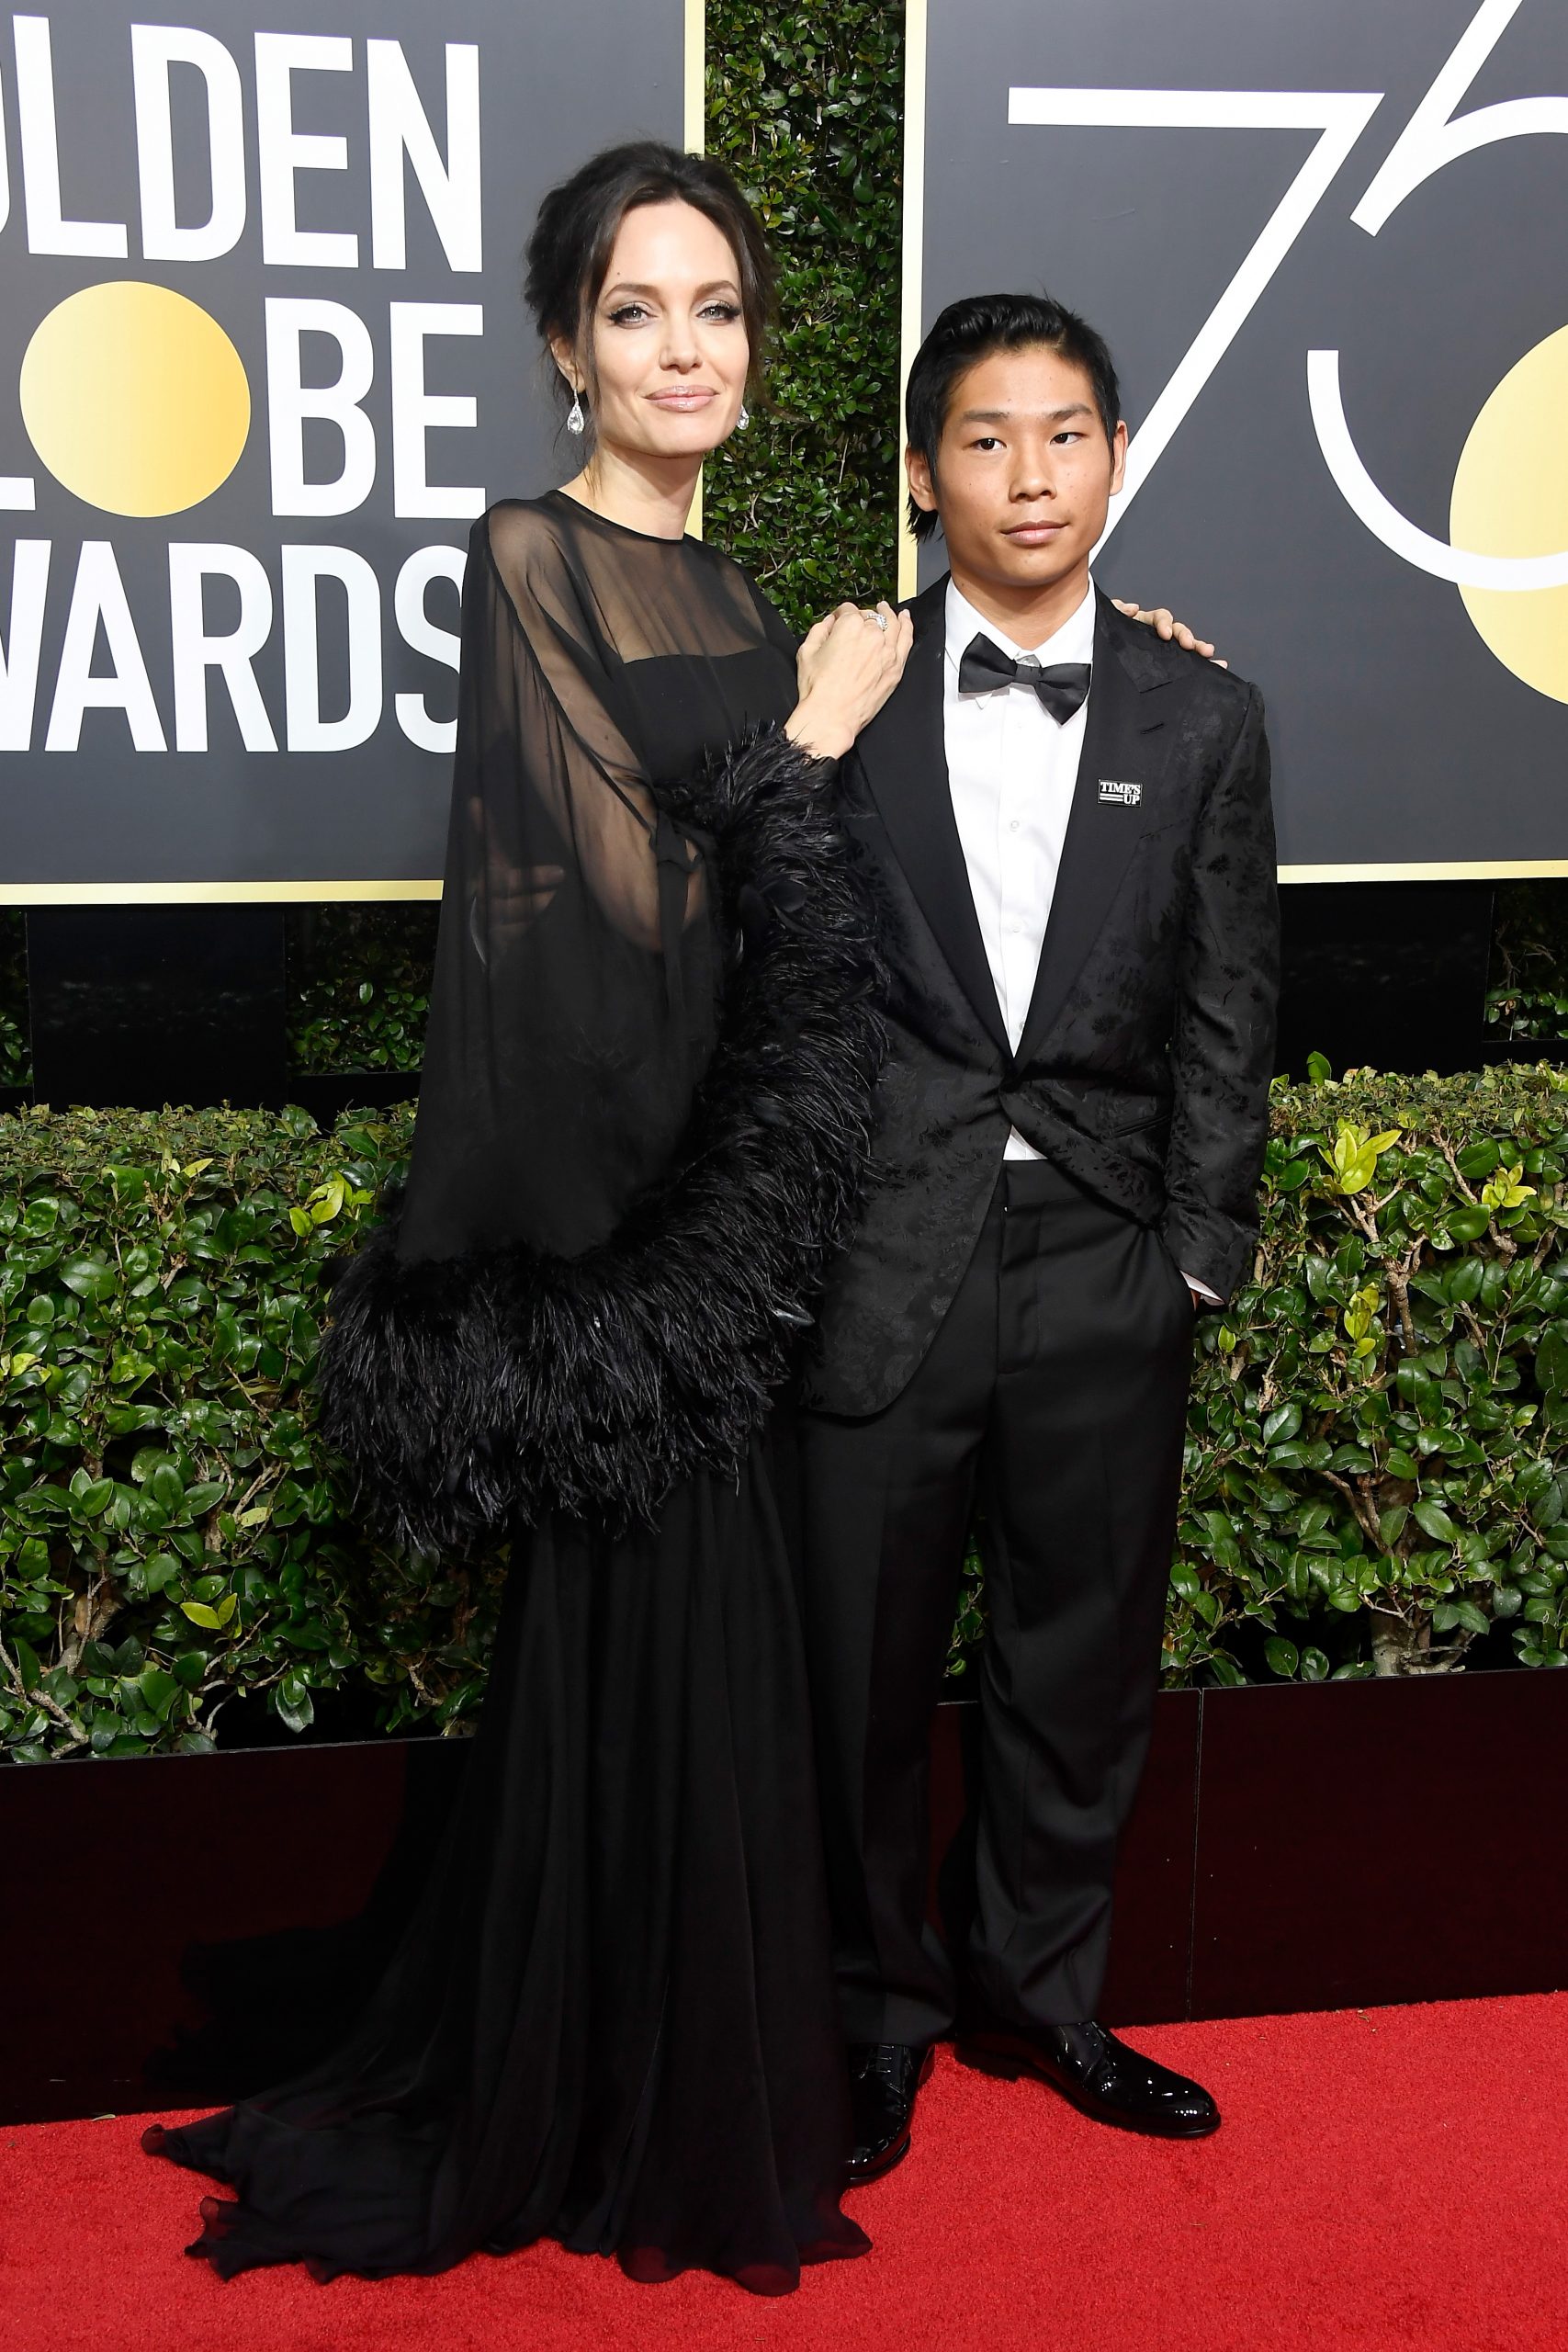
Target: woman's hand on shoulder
1164,624
849,664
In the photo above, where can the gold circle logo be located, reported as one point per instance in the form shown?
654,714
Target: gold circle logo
1510,497
135,399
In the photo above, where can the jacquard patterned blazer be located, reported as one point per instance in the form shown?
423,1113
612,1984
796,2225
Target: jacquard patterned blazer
1144,1060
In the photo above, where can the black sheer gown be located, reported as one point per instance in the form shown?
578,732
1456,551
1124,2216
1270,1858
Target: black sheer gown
642,1131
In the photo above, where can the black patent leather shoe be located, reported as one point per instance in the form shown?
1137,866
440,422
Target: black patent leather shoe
1101,2075
883,2079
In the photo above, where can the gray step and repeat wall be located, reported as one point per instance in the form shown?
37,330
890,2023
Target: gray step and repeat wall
1328,241
263,361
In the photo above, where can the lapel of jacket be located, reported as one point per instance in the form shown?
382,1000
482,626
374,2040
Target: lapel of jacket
1133,697
903,756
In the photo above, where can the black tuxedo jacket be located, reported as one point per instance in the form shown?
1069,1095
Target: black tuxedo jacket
1144,1061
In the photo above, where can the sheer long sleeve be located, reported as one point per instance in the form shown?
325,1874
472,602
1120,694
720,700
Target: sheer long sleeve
573,1005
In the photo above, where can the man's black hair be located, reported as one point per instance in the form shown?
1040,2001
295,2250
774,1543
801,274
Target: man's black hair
972,330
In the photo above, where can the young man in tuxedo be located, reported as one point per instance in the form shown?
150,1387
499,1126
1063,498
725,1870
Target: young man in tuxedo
1067,821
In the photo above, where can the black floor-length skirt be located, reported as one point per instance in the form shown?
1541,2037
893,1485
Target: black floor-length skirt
611,2020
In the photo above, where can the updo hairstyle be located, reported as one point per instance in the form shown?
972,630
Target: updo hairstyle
568,255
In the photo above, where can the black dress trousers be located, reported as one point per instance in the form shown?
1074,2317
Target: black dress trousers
1055,1394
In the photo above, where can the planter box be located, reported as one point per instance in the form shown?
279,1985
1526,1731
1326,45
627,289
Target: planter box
180,1927
1343,1845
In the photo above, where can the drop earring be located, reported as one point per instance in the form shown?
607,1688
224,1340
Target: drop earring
744,419
575,419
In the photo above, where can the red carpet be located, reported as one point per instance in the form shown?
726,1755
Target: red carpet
1385,2177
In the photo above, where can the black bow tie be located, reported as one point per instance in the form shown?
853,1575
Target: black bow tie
1062,688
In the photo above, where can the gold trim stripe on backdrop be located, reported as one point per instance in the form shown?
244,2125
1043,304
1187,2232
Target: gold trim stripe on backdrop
695,138
913,257
694,96
214,894
174,894
1478,869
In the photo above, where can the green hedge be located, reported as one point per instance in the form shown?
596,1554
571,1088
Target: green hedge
170,1535
806,106
1373,1476
16,1055
1529,993
358,986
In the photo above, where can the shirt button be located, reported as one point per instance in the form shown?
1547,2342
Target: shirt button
1013,827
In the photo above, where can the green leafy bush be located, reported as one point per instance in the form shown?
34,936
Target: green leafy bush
16,1051
1374,1472
170,1535
806,106
360,985
1529,993
1513,1012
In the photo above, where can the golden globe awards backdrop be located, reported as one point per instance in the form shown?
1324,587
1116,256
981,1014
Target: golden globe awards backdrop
264,362
1329,244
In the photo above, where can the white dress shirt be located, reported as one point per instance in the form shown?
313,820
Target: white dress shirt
1011,770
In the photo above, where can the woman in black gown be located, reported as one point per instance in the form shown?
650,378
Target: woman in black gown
642,1131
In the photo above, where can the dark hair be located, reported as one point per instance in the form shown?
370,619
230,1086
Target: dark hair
971,330
567,254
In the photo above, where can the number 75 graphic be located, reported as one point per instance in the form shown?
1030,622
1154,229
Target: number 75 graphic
1432,138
